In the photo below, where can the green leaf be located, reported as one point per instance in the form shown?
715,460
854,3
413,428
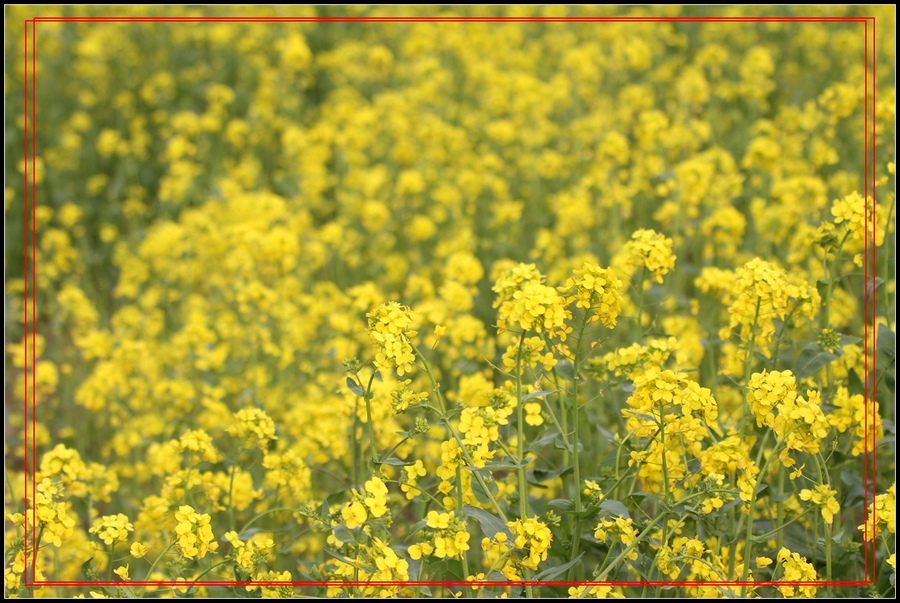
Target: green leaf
586,513
812,359
536,476
560,444
484,496
377,375
885,342
854,383
490,524
87,569
566,370
540,394
349,562
418,526
329,501
780,496
499,466
640,497
355,388
563,504
872,287
542,442
607,434
343,534
846,340
614,507
553,572
393,462
248,534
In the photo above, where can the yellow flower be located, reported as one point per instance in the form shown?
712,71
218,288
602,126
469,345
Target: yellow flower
112,528
882,514
354,514
650,250
823,496
390,331
533,417
796,569
597,290
194,534
122,572
138,550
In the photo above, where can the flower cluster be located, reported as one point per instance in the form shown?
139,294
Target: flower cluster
796,569
532,538
673,437
373,502
112,528
882,514
633,254
617,529
447,537
763,292
390,332
861,416
194,533
651,251
253,428
823,496
596,290
525,304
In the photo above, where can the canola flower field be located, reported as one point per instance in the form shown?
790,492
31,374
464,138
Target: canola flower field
518,309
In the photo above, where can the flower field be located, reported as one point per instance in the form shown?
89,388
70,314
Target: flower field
479,309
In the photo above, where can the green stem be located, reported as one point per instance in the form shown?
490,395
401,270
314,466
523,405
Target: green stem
523,482
748,537
263,514
563,427
748,369
576,361
153,566
640,291
779,530
369,427
437,390
206,571
9,488
662,439
779,506
829,270
887,265
354,442
459,515
231,498
421,491
777,342
825,481
109,570
638,539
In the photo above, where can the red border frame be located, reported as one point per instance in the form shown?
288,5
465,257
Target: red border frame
868,388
